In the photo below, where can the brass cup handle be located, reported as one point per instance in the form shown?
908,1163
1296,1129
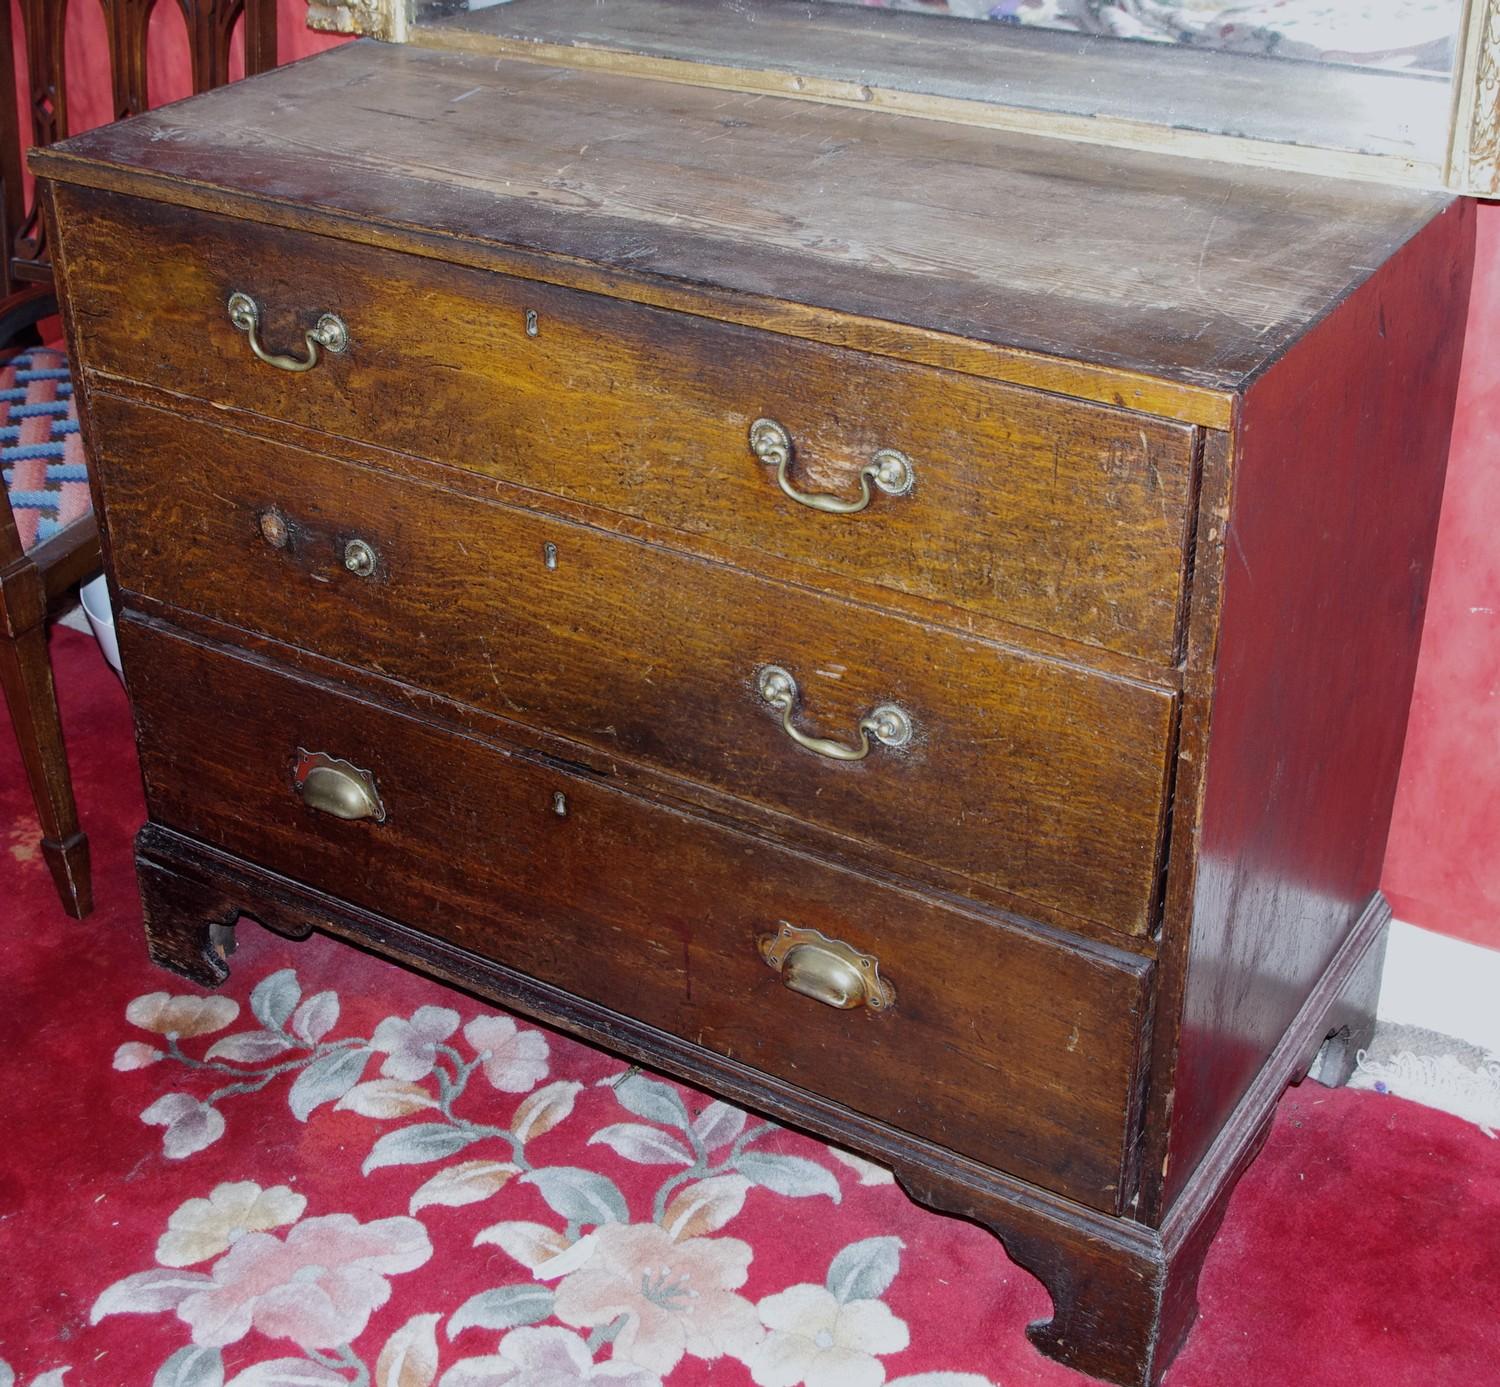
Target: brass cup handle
336,787
890,470
827,970
888,724
329,333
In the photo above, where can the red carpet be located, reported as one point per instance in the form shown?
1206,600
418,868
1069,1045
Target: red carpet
341,1173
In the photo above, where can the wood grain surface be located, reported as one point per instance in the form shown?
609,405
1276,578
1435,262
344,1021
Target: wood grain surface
1052,514
1017,1047
1041,778
1326,556
1184,270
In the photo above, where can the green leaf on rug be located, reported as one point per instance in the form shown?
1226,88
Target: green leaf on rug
327,1079
865,1270
191,1367
148,1292
275,998
580,1196
789,1175
505,1307
426,1141
718,1125
653,1100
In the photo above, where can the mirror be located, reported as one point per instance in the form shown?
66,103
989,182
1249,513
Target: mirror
1401,91
1403,35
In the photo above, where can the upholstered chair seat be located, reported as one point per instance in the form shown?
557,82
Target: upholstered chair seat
41,450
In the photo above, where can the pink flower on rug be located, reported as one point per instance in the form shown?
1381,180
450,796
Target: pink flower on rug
514,1060
317,1288
677,1297
410,1047
548,1357
135,1054
818,1340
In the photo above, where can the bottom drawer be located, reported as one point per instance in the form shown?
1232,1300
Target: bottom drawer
1004,1042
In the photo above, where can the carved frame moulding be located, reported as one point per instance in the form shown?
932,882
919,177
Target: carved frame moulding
1368,123
377,19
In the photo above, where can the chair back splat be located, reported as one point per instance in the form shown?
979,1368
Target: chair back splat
37,58
49,538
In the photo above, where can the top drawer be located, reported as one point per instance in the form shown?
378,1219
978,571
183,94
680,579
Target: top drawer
1050,513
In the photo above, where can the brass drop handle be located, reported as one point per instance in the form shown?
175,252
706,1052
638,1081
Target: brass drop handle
827,970
888,724
890,470
328,333
336,787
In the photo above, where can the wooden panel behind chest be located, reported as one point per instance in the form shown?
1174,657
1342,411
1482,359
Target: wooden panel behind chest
1037,1038
1029,776
1053,514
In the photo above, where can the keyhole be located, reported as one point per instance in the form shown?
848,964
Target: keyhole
560,804
531,324
549,554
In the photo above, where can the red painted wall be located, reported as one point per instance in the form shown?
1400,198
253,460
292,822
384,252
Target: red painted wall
86,56
1442,869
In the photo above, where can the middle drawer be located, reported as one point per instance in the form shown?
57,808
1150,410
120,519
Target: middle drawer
1032,777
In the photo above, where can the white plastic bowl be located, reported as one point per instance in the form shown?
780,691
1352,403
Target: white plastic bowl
94,597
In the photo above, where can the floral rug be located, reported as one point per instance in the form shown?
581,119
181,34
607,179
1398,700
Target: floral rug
334,1173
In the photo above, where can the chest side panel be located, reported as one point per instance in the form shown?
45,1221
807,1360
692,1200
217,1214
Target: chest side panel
1340,456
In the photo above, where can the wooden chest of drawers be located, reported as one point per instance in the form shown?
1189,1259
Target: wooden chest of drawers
931,670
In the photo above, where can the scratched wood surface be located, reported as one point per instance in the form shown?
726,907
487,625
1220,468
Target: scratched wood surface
1187,270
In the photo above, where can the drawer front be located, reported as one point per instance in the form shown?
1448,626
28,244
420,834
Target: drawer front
1008,1045
1029,776
1053,514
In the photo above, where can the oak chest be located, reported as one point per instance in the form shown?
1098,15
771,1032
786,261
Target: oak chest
907,626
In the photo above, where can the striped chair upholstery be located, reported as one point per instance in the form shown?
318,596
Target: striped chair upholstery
41,452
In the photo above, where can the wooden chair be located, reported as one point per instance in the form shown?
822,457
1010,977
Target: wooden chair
49,540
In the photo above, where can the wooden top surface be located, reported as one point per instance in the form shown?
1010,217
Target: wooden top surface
1186,270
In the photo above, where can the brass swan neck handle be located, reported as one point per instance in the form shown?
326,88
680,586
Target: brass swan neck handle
887,724
327,334
891,471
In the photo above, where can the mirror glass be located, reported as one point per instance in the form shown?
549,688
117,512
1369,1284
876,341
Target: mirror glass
1406,35
1370,89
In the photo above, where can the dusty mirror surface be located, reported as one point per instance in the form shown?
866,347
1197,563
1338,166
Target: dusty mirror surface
1400,91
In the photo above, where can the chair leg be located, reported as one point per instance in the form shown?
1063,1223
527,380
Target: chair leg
26,679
